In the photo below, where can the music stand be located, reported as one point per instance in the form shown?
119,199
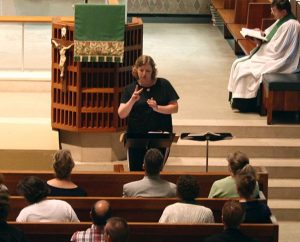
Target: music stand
206,137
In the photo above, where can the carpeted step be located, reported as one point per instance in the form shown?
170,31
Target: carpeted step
253,147
285,209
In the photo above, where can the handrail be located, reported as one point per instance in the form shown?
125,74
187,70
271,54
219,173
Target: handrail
35,19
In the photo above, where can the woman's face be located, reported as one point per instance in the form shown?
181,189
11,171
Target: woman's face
145,73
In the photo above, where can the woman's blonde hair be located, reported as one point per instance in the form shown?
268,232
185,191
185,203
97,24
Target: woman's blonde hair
63,164
143,60
236,161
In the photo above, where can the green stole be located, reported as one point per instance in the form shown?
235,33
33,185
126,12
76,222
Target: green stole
273,31
278,24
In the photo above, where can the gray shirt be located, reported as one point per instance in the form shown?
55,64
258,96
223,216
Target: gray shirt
149,186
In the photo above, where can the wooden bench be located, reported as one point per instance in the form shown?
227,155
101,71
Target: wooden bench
110,184
281,92
257,11
133,209
248,15
147,232
245,13
223,4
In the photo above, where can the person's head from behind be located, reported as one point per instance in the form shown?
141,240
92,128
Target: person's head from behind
248,170
33,189
232,214
187,188
4,205
100,212
246,182
116,230
144,68
280,8
236,162
63,164
3,188
153,162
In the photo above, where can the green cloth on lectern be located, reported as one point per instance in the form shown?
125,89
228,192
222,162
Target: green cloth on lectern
99,33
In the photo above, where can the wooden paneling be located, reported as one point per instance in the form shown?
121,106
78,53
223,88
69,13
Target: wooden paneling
86,99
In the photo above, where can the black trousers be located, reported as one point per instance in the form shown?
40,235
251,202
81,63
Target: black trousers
136,157
246,105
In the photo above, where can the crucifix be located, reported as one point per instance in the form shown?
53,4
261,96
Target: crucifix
62,60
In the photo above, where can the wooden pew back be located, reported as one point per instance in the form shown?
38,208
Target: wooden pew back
229,3
241,11
133,209
110,184
147,232
256,12
223,4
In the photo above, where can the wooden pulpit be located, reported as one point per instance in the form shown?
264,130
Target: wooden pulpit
85,95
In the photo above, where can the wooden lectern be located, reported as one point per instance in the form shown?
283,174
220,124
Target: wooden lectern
85,95
140,143
150,140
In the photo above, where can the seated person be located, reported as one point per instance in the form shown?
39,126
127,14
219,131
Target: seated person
8,233
187,211
100,213
62,185
256,211
3,188
232,216
42,209
226,187
151,185
116,230
280,53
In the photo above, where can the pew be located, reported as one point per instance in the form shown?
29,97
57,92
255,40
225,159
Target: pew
252,19
223,4
280,92
147,232
228,11
133,209
111,183
245,13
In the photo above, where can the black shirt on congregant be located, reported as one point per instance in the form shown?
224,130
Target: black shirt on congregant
66,192
9,233
230,235
256,212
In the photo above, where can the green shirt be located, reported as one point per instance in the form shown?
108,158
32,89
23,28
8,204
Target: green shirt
226,187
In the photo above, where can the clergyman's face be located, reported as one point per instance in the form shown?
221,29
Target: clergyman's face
277,13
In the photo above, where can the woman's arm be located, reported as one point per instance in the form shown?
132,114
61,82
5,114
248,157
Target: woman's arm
125,108
172,107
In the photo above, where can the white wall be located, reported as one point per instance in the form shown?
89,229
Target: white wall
25,47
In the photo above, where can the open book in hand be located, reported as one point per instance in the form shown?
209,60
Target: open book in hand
252,33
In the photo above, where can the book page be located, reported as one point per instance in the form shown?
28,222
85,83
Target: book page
252,33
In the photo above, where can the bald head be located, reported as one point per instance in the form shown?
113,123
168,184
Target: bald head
101,211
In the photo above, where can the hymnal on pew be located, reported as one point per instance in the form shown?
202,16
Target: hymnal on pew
252,33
